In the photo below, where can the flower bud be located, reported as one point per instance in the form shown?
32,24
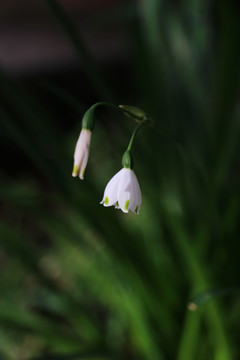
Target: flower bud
81,153
134,112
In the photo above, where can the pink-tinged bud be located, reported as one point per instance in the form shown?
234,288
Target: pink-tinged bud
81,153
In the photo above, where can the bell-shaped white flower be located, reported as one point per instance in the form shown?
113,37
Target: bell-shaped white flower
81,153
123,191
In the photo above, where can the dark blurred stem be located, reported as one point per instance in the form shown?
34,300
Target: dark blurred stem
94,74
63,95
158,83
225,130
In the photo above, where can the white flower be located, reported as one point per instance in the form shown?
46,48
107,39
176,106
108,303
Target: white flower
123,191
81,153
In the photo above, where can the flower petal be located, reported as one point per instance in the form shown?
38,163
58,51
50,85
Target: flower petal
123,191
111,190
124,201
81,153
84,163
137,195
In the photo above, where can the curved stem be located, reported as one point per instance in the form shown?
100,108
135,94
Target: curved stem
116,107
133,135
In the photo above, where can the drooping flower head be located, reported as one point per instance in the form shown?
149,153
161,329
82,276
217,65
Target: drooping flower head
123,190
81,153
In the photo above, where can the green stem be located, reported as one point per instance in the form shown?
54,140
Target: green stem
190,336
133,135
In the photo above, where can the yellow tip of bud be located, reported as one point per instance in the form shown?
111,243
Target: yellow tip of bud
75,171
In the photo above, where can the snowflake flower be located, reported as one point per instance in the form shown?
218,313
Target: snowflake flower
123,191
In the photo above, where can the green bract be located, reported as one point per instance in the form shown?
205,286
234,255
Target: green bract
135,113
127,160
88,120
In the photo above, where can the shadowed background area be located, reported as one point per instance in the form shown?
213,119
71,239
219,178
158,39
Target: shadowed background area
80,281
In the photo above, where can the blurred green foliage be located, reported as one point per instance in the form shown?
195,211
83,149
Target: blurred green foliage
79,281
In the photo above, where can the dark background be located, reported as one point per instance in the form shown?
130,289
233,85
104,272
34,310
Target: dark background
80,281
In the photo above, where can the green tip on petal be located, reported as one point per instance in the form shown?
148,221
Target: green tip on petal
82,174
75,171
136,209
106,201
126,205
